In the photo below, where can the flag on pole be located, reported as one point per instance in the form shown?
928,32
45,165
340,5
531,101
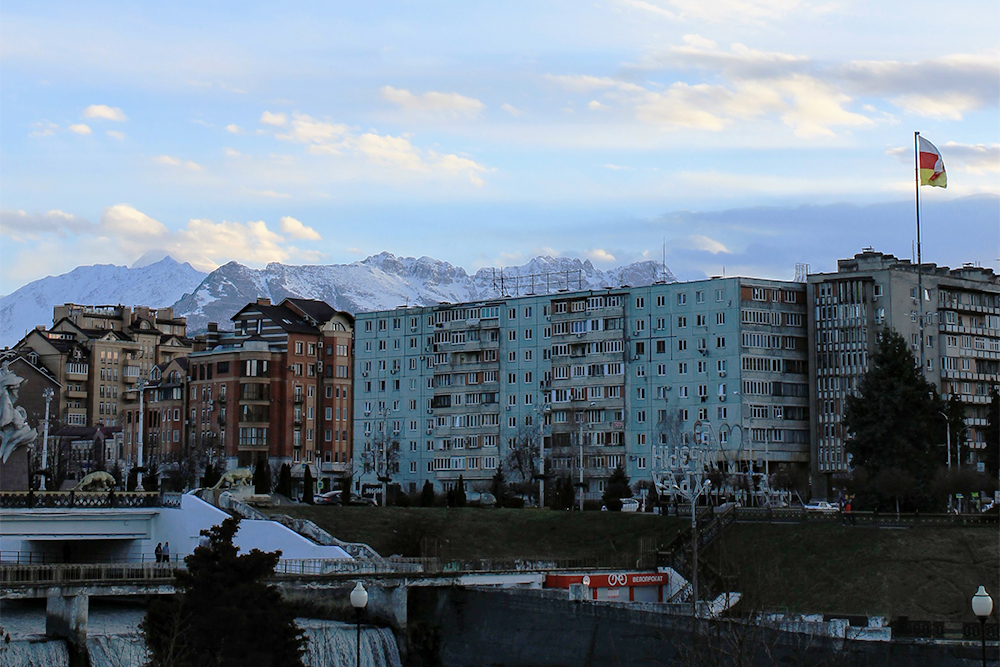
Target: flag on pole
931,165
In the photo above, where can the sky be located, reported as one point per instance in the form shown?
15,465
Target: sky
736,136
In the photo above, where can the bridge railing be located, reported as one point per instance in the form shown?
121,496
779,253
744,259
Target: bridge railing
88,499
887,519
85,573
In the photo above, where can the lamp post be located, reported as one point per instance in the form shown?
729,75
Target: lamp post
947,424
47,394
541,456
582,414
359,600
982,606
138,474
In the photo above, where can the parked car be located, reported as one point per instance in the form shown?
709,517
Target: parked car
361,500
630,505
822,506
328,498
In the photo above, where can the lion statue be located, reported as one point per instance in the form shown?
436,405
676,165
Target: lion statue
236,477
96,481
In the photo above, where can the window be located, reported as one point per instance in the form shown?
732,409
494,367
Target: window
720,342
720,318
682,368
640,302
640,416
661,301
699,320
720,295
640,349
682,345
682,322
699,296
661,347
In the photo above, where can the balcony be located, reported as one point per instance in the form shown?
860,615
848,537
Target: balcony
77,369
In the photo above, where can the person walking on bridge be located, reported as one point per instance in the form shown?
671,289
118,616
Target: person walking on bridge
159,552
166,552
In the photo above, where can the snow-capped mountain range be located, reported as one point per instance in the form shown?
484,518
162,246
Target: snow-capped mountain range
158,284
378,282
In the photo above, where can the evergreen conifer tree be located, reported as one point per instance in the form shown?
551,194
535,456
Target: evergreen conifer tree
285,481
261,477
427,495
992,434
225,615
307,486
894,422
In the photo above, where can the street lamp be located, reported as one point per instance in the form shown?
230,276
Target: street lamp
359,600
546,409
138,475
47,394
982,606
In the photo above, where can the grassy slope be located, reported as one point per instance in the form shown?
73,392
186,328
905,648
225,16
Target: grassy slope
924,573
500,533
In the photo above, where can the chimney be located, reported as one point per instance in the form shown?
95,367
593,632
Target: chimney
261,301
213,327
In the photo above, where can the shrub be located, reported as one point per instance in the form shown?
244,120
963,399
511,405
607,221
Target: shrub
514,502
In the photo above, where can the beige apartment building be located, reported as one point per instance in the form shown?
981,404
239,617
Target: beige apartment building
100,353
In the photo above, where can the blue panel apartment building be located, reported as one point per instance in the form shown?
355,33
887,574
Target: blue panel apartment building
609,377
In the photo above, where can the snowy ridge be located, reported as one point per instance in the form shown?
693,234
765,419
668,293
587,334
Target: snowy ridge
157,285
379,282
385,281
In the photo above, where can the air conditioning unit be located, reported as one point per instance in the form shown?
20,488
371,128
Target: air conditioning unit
367,412
722,374
429,411
722,397
429,431
364,374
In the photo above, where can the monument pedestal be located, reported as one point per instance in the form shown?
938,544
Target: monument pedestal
14,473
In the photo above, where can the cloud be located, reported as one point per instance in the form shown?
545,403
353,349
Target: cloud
975,159
270,194
21,225
80,128
126,221
43,128
115,134
698,242
323,137
513,111
124,233
297,230
944,88
594,105
231,152
433,101
584,83
104,112
177,162
275,119
716,11
740,83
649,7
234,128
320,136
600,255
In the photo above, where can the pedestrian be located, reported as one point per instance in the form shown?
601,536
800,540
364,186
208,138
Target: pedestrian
166,552
847,510
159,552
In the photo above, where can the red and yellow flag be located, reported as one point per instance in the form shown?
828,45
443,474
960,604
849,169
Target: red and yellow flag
931,165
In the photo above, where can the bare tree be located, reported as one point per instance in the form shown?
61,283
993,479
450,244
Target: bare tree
381,456
520,462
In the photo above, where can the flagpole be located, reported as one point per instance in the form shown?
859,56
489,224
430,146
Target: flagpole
920,269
